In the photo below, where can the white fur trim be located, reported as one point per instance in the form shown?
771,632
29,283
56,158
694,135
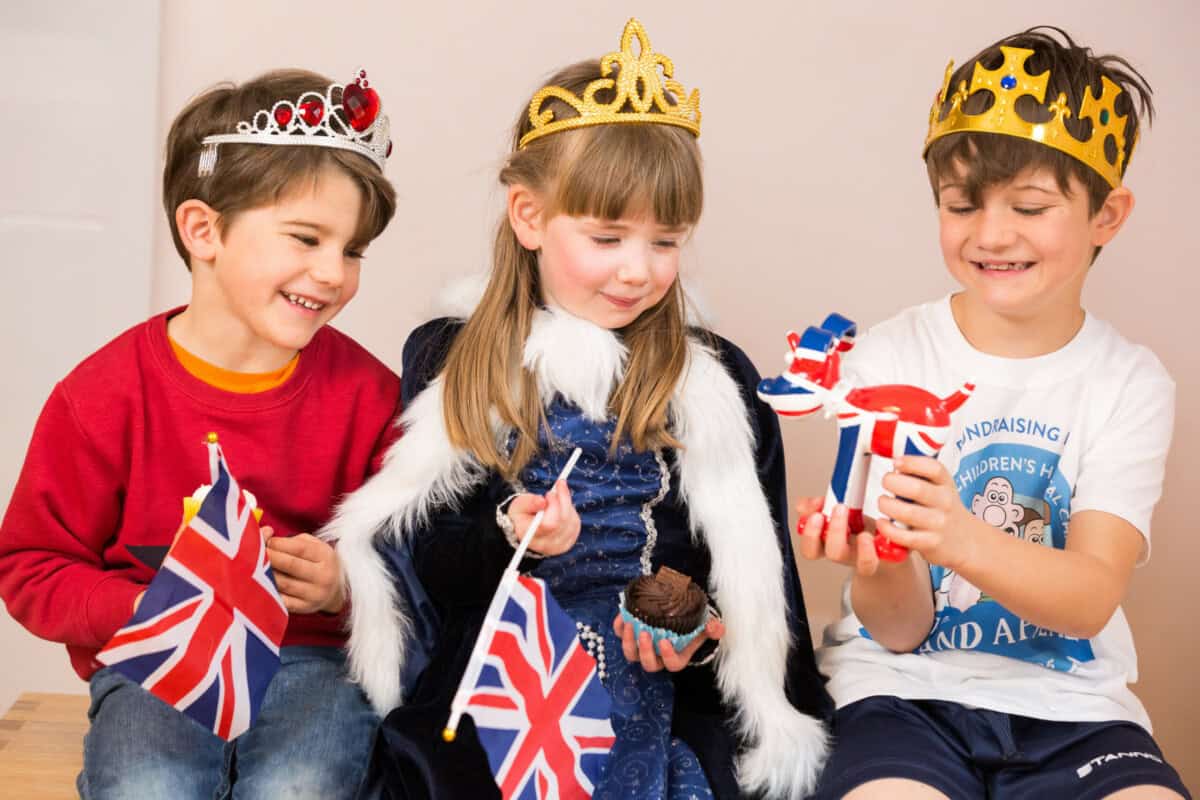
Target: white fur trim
459,297
719,483
575,358
421,472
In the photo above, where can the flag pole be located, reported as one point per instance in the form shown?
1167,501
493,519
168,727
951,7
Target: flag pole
492,617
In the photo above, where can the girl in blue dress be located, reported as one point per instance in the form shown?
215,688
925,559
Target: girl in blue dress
581,339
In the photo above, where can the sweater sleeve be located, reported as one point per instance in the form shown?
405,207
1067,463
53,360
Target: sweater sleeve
387,437
66,507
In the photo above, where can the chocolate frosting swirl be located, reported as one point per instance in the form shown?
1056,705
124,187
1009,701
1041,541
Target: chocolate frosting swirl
667,600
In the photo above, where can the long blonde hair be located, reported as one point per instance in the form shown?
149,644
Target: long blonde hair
603,171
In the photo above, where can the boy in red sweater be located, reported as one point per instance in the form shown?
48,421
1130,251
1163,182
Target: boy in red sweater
273,234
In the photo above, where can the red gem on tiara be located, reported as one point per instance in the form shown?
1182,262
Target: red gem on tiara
283,115
360,105
311,112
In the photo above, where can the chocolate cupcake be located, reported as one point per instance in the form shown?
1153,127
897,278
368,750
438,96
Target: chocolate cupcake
668,605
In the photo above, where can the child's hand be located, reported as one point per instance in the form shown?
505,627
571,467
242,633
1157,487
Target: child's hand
307,573
938,524
560,526
839,545
642,649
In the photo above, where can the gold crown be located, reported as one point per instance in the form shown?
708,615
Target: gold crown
633,69
1010,82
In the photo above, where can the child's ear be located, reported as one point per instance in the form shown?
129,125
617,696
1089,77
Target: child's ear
1106,222
525,216
199,228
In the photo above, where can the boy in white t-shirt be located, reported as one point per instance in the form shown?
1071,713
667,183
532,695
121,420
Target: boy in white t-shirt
994,660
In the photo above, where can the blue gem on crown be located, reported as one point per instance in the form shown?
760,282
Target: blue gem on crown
1008,82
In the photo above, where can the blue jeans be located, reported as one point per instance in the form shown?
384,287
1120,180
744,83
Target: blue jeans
312,739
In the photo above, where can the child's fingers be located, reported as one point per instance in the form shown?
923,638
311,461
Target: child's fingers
296,589
296,605
526,505
811,547
302,545
898,510
553,515
916,490
912,538
266,531
922,467
837,543
807,506
913,516
561,522
628,646
867,561
284,563
566,506
674,661
646,655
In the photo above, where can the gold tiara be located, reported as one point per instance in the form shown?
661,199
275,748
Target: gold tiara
633,70
1010,82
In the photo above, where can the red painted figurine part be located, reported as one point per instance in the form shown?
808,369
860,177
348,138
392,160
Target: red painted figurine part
875,423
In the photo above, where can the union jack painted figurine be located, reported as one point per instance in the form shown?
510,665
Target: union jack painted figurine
875,423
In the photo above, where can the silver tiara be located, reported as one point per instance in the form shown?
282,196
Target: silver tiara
313,120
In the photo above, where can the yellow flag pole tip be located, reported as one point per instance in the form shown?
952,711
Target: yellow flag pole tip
211,438
448,734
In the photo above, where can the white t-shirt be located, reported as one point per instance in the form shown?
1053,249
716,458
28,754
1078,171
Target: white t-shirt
1084,427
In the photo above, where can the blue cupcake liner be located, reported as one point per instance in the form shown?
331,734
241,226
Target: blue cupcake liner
677,640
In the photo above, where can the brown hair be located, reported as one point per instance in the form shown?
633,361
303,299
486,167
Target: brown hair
250,175
987,159
604,171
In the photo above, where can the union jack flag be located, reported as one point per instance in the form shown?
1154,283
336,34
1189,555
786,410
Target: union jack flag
205,637
539,708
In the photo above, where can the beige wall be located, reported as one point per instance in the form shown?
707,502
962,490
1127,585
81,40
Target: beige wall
813,119
78,166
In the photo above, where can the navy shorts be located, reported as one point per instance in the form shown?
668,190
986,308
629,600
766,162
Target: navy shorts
968,753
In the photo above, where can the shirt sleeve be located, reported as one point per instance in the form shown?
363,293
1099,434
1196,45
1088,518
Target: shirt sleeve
871,362
1121,471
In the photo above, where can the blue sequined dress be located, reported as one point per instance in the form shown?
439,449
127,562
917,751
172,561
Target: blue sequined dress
615,498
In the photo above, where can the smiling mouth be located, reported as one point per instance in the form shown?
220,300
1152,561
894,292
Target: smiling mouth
303,302
1002,266
621,302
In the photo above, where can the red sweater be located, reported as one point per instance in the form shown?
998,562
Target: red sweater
119,444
